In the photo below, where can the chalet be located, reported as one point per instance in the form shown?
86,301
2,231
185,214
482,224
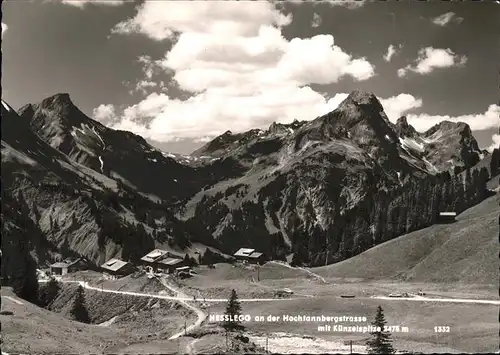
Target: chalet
154,257
162,260
68,266
117,267
250,256
447,217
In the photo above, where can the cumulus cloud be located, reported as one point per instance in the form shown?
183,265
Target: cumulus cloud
4,28
160,20
430,58
476,121
209,114
397,106
447,18
495,144
143,86
82,3
106,114
240,70
316,21
350,4
391,51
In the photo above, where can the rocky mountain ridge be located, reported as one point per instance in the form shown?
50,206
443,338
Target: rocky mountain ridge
281,190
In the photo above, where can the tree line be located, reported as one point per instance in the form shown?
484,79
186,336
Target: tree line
385,215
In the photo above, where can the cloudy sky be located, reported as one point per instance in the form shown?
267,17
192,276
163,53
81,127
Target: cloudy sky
179,73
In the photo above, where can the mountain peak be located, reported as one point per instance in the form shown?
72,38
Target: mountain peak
404,129
61,100
449,126
402,121
363,98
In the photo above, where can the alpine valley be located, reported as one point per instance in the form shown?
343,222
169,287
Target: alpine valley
317,191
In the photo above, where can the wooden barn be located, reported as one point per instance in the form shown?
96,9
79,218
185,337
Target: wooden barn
68,266
117,267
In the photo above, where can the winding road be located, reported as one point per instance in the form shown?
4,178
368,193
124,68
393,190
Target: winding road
202,316
182,296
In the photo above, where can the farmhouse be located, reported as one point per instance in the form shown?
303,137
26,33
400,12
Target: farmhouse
117,267
447,217
154,257
162,260
250,255
68,266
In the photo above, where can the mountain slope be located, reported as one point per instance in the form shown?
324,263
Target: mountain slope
76,210
324,190
64,127
443,146
465,251
298,180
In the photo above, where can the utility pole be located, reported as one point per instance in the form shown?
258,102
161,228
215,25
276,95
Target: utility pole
227,346
185,325
350,343
267,343
258,272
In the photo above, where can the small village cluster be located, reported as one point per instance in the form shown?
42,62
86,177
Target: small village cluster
157,260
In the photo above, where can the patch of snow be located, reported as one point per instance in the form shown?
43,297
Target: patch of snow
430,166
168,155
290,130
153,160
412,144
175,180
481,156
387,137
98,136
6,106
102,164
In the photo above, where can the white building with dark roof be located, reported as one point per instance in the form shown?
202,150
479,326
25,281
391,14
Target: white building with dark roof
249,255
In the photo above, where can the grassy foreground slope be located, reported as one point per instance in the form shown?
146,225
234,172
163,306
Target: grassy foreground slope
465,252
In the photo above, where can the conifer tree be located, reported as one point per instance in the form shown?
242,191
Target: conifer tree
233,309
495,161
381,340
79,309
49,292
25,281
469,188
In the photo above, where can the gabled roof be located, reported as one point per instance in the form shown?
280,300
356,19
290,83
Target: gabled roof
67,262
154,255
244,252
114,264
